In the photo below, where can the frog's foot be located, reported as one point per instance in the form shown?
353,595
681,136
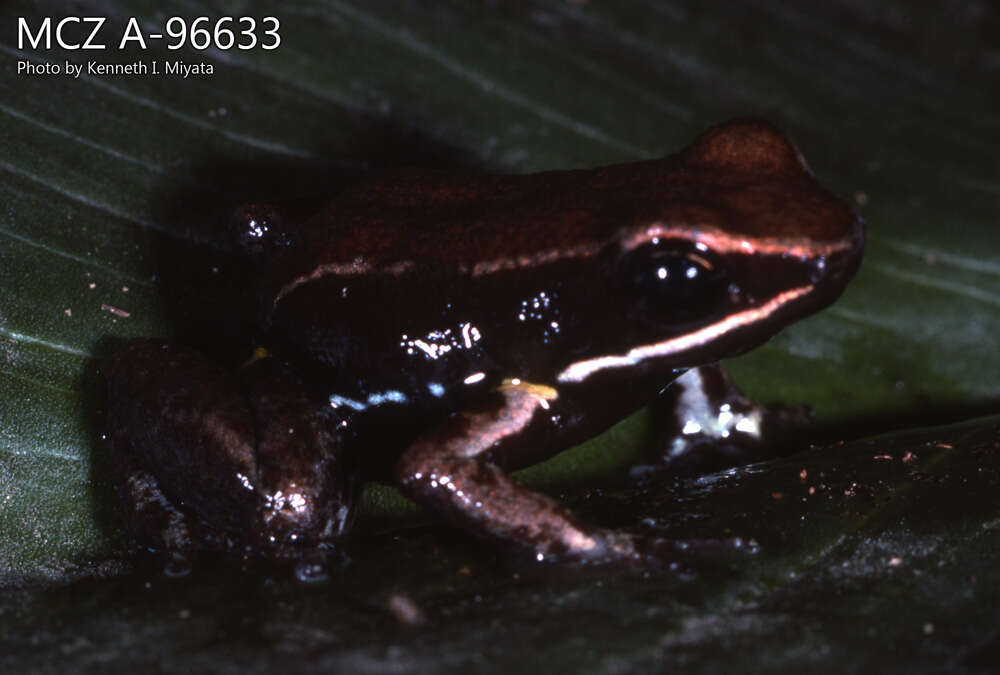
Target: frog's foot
706,423
208,461
151,518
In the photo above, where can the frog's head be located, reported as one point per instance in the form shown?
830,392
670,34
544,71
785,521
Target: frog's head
747,242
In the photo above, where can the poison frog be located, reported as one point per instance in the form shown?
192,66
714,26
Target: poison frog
438,332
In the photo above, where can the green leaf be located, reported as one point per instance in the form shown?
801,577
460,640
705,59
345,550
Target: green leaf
876,556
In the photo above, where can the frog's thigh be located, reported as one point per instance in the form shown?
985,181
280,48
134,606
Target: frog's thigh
452,471
251,457
181,436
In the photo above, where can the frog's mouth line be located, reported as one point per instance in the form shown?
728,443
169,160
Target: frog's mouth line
581,370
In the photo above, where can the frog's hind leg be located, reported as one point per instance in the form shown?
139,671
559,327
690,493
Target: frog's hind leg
152,519
306,479
457,470
206,460
180,434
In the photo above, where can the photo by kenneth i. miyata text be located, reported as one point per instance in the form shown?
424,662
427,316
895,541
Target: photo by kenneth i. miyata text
151,68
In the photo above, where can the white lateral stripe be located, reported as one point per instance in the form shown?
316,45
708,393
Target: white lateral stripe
579,371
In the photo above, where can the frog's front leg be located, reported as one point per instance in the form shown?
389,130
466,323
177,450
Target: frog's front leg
704,422
458,471
212,461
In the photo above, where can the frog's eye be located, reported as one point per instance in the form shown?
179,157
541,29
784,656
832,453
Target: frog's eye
676,279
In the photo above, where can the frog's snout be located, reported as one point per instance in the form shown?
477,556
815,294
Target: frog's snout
842,265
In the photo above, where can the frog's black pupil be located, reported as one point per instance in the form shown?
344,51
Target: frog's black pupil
676,282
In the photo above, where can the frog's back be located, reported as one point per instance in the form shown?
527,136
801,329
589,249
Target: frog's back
440,221
743,177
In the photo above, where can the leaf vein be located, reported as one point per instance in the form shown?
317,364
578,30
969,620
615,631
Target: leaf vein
965,290
111,152
966,263
86,201
486,84
75,258
28,339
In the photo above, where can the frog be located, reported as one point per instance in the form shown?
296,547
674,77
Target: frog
438,332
